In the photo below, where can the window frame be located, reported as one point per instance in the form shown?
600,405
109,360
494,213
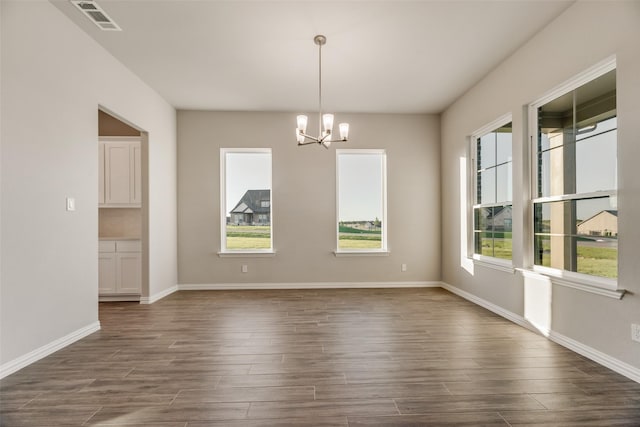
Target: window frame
591,283
224,251
489,261
384,250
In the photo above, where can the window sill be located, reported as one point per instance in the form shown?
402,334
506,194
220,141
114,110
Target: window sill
361,253
247,254
495,264
603,287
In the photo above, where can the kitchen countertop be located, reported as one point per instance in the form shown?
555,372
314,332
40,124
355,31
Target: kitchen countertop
119,238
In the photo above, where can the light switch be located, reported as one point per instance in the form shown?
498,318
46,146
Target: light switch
71,204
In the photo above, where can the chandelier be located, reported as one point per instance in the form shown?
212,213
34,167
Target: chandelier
325,121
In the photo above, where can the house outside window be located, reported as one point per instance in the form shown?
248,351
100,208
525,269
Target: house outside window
245,200
575,176
491,149
361,201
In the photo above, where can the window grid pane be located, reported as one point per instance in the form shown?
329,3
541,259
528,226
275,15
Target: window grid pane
577,157
492,215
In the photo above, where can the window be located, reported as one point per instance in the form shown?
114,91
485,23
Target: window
492,206
362,200
574,205
245,189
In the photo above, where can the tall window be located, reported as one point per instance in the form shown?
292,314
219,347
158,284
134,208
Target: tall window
246,205
575,207
492,210
362,200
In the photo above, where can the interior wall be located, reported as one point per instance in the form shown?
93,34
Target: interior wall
54,78
587,33
304,199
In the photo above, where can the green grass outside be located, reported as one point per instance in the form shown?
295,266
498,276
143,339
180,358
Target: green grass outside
353,238
359,243
345,229
501,249
243,237
601,262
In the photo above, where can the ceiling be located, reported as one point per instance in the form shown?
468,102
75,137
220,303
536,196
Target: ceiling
380,56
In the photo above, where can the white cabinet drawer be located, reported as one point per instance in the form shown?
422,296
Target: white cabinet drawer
128,246
106,246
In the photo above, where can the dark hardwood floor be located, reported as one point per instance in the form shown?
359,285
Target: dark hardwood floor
368,357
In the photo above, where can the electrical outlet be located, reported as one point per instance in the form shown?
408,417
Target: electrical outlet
245,268
403,267
635,332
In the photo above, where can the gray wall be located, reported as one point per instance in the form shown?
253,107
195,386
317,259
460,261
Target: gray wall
304,199
54,78
584,35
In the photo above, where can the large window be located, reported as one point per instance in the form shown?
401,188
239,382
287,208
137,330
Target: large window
492,209
246,204
362,201
574,205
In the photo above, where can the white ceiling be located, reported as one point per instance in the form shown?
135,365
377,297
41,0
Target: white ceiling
380,56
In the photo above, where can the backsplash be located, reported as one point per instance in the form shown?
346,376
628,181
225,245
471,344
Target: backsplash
120,222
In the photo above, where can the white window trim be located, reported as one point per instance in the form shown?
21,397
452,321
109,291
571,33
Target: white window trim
585,282
499,264
224,252
363,252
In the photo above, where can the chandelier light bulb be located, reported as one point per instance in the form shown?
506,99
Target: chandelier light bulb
327,121
344,131
302,123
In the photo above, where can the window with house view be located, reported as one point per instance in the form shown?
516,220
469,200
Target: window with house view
492,210
361,176
575,207
246,203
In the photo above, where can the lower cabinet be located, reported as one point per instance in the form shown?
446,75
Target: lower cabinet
119,267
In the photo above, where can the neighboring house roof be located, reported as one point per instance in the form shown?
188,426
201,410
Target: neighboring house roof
609,211
498,210
250,202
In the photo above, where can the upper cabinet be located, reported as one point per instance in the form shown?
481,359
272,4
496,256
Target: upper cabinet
120,177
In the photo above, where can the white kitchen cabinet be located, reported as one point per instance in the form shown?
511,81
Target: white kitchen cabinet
120,267
107,273
121,177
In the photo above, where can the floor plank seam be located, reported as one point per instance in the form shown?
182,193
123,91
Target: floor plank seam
396,405
92,415
447,389
505,420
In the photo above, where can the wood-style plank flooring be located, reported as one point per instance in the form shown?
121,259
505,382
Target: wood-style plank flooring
367,357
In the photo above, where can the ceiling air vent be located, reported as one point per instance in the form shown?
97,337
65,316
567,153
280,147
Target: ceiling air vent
94,12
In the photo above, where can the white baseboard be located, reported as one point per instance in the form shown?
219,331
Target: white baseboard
37,354
509,315
158,296
118,298
305,285
612,363
603,359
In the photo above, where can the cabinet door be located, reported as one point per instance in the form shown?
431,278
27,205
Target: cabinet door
117,173
107,273
135,186
100,173
129,272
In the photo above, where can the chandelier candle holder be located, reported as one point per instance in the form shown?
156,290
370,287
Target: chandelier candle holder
325,121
